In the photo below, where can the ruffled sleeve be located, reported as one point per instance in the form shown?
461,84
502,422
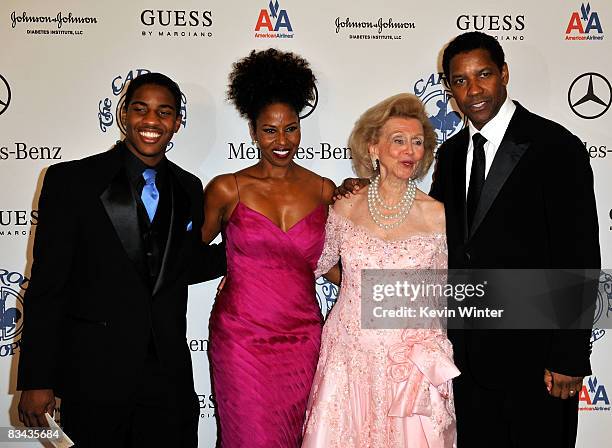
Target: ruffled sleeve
334,232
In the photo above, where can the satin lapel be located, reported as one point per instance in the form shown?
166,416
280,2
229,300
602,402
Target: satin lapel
120,206
459,192
507,156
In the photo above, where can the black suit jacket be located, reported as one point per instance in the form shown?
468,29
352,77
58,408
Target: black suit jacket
89,312
537,210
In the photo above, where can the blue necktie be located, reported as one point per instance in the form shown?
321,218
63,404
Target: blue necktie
150,195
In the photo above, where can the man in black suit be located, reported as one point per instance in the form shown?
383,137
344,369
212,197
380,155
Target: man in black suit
518,194
117,244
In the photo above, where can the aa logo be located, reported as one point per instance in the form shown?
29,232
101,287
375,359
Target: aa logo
273,20
593,396
584,22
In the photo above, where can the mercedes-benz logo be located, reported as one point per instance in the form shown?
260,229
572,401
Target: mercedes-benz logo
5,95
590,95
309,109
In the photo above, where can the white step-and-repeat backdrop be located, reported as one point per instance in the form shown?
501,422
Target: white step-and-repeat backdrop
64,65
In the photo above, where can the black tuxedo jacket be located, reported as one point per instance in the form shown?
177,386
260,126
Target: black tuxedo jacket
537,210
89,311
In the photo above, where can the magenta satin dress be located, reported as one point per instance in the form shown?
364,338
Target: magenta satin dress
265,329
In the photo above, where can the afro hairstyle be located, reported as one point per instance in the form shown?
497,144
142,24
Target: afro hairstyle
270,76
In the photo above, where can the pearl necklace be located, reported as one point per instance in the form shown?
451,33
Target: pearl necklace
402,207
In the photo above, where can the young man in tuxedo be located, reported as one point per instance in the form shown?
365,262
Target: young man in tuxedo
117,244
518,194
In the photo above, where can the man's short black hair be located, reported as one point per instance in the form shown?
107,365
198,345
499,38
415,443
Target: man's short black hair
472,40
159,80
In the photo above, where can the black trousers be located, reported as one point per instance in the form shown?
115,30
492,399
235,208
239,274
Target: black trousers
162,415
523,415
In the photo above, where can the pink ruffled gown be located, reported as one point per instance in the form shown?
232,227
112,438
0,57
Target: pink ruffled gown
265,329
379,388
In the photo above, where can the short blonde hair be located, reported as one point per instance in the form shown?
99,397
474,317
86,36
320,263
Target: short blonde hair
367,131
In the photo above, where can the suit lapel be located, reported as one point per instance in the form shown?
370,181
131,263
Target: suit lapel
509,153
177,230
163,271
459,193
120,206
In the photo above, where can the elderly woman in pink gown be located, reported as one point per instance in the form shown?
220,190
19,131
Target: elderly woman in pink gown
383,388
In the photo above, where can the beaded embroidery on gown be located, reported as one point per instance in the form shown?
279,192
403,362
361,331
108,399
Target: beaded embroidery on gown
379,388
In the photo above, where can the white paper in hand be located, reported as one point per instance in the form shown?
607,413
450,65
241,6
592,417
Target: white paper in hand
63,441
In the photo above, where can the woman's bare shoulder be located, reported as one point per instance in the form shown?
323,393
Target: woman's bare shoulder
348,206
328,190
222,187
433,212
318,183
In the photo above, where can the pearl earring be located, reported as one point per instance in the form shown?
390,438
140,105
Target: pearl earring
375,163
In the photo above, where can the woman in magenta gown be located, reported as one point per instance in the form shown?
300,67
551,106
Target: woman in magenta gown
265,326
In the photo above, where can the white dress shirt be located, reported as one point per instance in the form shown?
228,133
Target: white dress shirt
494,132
